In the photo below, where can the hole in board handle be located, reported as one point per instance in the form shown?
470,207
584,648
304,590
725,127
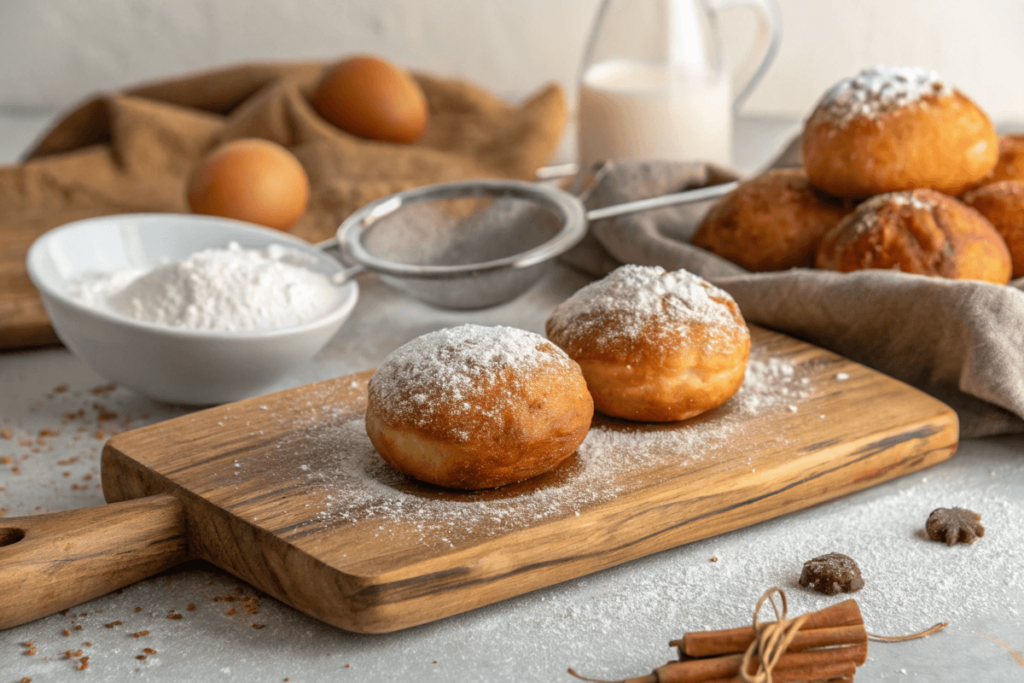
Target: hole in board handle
10,536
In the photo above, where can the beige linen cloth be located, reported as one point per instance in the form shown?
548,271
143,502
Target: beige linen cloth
960,341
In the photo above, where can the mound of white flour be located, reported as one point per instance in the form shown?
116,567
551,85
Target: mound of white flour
224,290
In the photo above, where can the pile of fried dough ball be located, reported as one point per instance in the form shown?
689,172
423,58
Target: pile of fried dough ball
901,172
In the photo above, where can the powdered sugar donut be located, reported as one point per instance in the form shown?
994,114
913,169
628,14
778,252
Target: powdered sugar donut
897,128
476,407
655,346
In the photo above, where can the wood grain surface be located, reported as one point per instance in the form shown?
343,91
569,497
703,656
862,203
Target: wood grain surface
283,491
54,561
23,321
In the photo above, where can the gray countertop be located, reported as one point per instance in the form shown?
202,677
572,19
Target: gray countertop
613,624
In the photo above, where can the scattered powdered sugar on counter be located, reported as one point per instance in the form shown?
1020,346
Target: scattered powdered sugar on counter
359,485
224,290
910,582
880,90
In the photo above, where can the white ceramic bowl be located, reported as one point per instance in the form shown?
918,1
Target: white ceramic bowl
165,363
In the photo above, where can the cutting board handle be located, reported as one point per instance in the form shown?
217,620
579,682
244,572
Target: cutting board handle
59,560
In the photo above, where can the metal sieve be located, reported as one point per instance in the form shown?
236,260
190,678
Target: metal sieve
478,243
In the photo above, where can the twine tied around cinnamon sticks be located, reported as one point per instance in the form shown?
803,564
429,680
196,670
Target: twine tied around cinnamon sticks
827,645
772,639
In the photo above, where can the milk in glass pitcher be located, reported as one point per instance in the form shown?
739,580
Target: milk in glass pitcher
654,84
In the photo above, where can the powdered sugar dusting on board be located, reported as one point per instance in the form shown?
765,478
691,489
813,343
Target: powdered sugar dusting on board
358,485
880,90
638,303
458,372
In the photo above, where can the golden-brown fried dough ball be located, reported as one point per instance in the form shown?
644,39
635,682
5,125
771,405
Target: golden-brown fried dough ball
1002,203
654,346
1010,165
474,407
771,222
892,129
921,232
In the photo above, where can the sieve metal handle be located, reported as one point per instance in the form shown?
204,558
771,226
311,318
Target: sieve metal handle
675,199
349,273
333,248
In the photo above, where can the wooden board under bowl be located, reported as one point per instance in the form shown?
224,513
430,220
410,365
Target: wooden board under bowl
23,320
285,492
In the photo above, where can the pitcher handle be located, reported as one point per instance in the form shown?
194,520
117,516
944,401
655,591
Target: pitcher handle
769,35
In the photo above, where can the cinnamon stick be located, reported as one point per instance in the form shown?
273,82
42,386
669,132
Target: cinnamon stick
712,643
825,672
728,666
803,640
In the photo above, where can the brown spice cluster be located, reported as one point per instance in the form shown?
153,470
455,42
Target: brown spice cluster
832,573
147,652
249,604
954,525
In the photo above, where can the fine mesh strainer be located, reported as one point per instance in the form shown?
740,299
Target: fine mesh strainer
478,243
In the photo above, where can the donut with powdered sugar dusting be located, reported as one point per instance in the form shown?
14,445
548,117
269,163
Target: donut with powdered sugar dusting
475,407
655,346
892,129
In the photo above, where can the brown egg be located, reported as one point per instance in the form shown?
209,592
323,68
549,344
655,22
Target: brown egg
373,99
252,180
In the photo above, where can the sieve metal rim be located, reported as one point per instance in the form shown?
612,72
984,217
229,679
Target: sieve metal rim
568,207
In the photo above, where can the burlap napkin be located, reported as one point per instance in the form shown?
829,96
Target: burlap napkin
960,341
135,151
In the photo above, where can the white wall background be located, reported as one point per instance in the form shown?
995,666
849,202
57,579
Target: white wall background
54,52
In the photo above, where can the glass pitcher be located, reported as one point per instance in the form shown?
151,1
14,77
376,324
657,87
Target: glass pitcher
654,85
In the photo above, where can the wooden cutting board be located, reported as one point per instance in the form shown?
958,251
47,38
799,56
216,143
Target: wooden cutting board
23,320
285,492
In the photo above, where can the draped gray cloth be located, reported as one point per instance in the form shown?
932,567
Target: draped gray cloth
960,341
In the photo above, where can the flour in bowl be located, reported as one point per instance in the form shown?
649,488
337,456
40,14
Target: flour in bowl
222,290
